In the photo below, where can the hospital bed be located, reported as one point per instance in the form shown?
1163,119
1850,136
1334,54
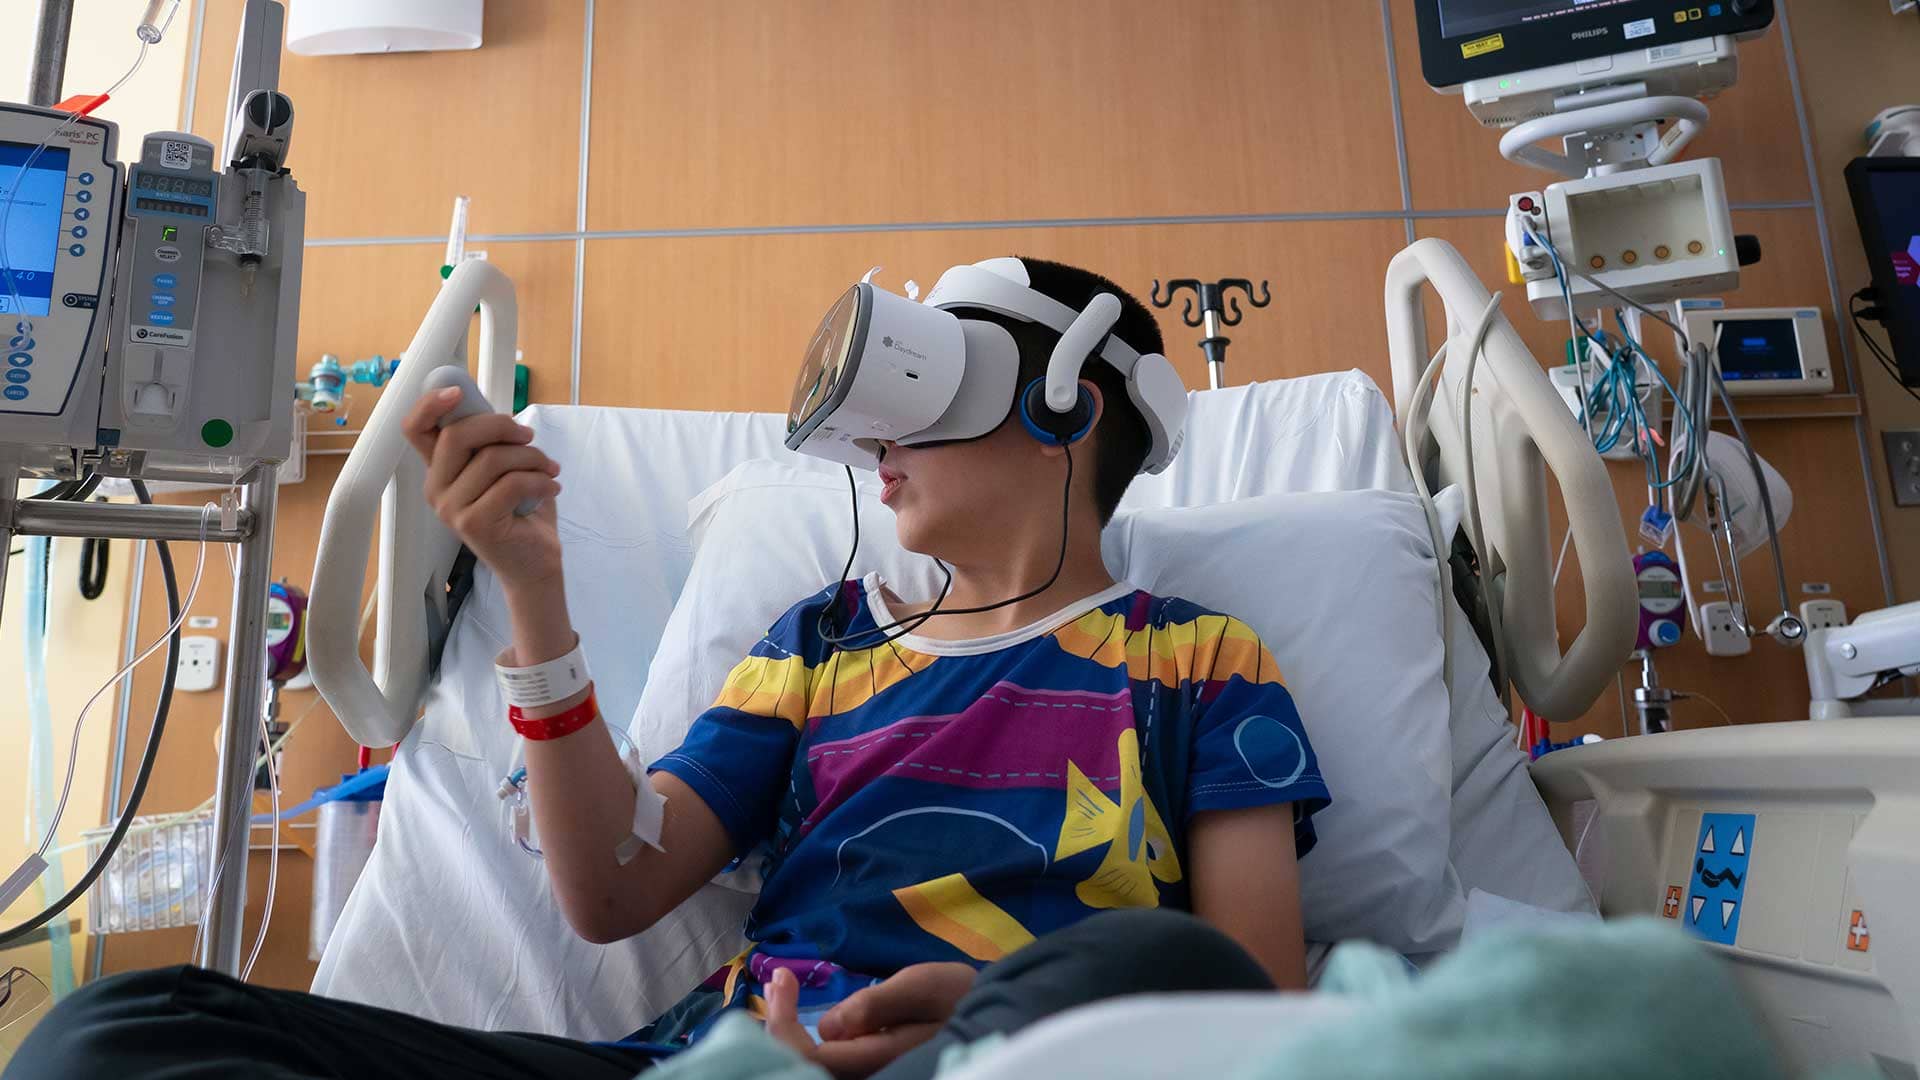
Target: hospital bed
451,920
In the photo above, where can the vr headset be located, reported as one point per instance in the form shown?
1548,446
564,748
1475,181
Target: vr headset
882,368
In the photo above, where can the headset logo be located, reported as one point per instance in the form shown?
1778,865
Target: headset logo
901,346
1906,264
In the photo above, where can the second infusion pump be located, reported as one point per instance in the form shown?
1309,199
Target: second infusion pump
147,328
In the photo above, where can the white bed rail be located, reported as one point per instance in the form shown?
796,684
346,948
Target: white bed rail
379,707
1820,920
1518,421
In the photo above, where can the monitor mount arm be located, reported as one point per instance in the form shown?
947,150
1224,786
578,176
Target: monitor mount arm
1603,137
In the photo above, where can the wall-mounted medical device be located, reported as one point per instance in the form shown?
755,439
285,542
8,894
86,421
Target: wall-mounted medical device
148,309
1886,200
1517,60
1763,351
1615,86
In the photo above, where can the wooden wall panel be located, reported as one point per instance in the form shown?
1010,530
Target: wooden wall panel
382,144
1456,164
357,302
1856,59
1828,540
840,111
650,339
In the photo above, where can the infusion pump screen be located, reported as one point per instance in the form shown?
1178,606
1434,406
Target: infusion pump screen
1462,18
31,238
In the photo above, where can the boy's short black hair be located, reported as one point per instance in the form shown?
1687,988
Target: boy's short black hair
1124,440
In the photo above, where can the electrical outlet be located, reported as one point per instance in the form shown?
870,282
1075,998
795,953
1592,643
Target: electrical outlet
199,665
1724,629
1903,465
1823,614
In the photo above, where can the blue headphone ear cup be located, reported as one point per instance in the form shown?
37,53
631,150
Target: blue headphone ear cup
1052,428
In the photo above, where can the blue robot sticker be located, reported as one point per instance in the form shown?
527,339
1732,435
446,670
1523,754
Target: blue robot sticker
1721,858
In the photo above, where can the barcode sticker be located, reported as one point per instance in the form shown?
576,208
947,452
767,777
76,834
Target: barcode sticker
176,155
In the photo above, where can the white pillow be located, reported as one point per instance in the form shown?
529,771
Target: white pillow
1339,585
767,536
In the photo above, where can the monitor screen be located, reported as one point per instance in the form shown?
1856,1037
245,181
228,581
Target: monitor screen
1463,40
1753,350
33,224
1461,18
1886,199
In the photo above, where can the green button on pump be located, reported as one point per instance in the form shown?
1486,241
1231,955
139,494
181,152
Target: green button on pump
216,433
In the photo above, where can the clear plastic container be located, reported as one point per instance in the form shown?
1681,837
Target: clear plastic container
157,877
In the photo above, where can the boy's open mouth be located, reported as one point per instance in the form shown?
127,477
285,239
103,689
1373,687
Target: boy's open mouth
891,479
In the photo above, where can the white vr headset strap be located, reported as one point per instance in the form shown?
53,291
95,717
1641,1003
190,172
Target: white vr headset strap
1075,347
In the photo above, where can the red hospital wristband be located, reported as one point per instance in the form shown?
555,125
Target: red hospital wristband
557,726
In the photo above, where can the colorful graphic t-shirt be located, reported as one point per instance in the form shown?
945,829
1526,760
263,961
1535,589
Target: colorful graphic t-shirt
924,801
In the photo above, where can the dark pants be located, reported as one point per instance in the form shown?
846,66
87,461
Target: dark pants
184,1022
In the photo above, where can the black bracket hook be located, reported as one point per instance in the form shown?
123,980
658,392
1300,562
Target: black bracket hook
1187,314
1215,299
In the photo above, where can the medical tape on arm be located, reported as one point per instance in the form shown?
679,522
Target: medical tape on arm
541,685
649,806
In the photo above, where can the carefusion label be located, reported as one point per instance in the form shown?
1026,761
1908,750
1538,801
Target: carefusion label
141,334
1639,29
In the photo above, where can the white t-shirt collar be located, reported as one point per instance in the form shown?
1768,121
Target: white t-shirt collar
875,588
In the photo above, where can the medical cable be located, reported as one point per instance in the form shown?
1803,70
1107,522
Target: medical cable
1859,315
1477,533
1415,435
1766,496
93,568
147,758
912,623
13,193
1714,705
1680,404
163,821
273,853
79,724
1575,331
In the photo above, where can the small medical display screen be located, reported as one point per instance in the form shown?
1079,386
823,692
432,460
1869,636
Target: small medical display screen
160,194
1757,349
1659,590
33,225
172,185
279,620
1460,18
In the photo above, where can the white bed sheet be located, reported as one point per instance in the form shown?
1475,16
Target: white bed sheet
452,922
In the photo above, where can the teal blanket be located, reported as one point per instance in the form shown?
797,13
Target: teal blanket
1630,999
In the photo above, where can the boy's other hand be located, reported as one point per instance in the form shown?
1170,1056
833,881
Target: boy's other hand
870,1029
478,470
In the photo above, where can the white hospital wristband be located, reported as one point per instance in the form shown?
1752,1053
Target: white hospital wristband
543,684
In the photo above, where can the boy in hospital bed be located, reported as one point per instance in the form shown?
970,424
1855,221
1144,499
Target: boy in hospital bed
972,821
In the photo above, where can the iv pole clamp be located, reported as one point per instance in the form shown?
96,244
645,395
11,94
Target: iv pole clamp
1218,308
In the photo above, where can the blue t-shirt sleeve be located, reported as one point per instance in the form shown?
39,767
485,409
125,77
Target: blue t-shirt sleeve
1249,746
738,755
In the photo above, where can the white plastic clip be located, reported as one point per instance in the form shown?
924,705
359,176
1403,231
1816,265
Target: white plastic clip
229,509
21,879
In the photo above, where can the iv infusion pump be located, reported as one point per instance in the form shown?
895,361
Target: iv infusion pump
148,309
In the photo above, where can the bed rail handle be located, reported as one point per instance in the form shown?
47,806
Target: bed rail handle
1520,425
382,474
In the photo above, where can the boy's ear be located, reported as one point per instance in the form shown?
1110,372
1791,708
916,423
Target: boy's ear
1099,400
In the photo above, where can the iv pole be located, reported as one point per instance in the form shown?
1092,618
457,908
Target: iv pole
256,69
1217,309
